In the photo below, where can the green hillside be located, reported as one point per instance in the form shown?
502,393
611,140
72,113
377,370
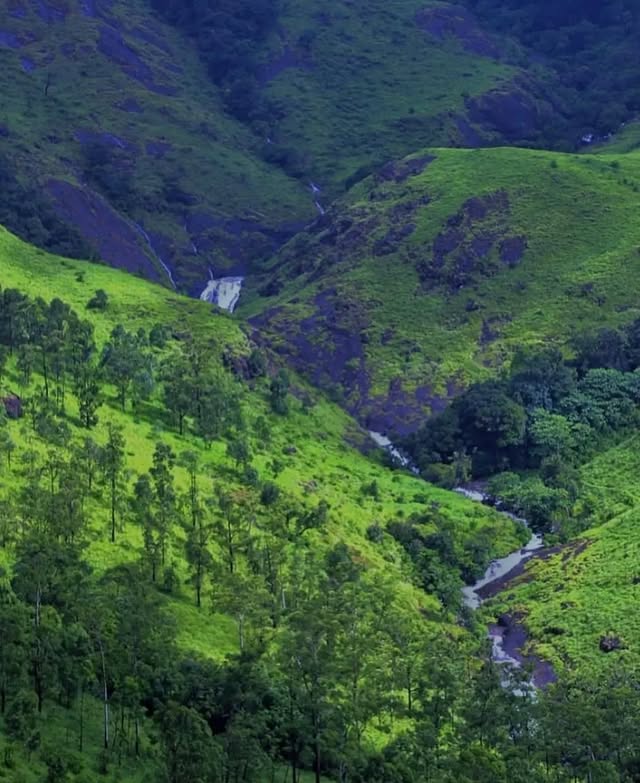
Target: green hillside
365,83
587,592
302,498
112,116
429,274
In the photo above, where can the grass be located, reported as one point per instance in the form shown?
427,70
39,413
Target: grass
377,87
321,465
591,588
576,213
86,89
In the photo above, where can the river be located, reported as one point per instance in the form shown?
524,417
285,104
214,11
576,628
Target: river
508,636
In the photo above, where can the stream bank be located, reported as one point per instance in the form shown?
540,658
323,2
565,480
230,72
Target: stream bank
508,635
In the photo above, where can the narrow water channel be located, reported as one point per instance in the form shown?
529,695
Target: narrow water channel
507,637
506,640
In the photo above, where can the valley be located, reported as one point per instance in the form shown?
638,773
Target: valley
319,391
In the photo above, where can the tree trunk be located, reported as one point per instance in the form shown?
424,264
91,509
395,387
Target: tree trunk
81,738
105,696
113,510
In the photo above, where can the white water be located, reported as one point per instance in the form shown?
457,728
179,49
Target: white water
384,443
224,292
497,570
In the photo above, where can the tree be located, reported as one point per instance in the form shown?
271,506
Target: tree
244,598
178,388
15,632
231,527
144,511
112,461
88,391
128,366
99,301
278,393
87,458
190,461
21,719
552,434
164,493
198,556
238,451
7,446
191,755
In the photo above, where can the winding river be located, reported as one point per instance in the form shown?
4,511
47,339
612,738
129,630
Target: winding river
507,637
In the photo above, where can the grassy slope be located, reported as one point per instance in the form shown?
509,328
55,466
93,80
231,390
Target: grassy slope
373,85
324,465
213,157
577,213
589,592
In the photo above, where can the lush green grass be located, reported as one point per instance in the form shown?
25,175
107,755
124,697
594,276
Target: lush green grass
323,466
372,85
377,86
576,213
627,139
589,589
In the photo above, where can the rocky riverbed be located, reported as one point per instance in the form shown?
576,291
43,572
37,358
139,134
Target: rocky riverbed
508,635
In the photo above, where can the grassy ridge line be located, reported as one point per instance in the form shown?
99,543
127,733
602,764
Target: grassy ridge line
578,272
323,466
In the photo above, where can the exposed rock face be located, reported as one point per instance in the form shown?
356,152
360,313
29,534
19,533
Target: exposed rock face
476,242
329,347
13,406
400,171
116,239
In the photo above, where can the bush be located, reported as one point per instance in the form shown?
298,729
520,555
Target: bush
99,301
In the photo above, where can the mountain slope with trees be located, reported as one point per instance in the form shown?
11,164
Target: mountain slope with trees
179,519
192,133
429,274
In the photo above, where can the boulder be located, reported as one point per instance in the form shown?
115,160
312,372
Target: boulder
610,643
13,406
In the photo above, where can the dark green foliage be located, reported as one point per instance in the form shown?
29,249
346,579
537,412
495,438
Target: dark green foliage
328,652
256,364
99,301
27,212
279,391
228,35
269,494
590,45
547,416
128,365
110,170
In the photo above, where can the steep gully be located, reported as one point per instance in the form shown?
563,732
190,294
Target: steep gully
225,291
508,637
